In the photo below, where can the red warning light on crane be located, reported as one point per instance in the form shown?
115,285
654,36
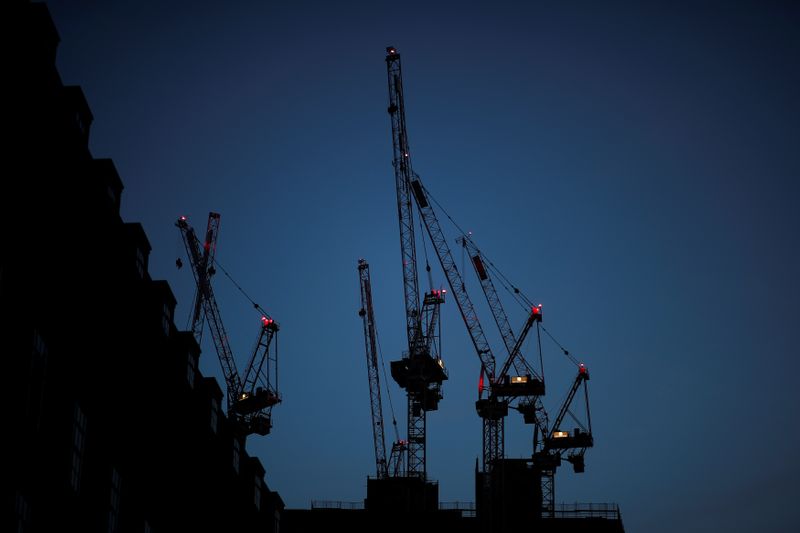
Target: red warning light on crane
582,368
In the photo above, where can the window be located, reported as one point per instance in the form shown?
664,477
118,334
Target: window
166,319
23,514
191,369
140,267
237,448
36,385
79,122
39,347
214,415
112,195
257,493
78,447
113,510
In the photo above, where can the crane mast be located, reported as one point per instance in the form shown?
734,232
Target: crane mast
409,185
420,373
527,386
209,251
205,299
371,346
401,161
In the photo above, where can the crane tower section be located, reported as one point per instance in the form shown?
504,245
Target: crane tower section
421,370
371,347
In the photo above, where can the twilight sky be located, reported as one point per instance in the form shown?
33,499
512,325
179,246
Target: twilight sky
634,168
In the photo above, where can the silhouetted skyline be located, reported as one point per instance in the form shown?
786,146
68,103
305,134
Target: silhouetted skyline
632,168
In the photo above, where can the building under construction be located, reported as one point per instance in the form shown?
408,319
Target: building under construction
115,429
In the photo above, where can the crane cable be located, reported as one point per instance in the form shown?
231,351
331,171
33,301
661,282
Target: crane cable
563,350
505,282
241,290
425,251
386,381
503,279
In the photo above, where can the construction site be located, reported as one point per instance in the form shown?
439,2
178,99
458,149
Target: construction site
115,427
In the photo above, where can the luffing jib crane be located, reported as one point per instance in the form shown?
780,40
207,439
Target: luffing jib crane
249,399
409,186
395,466
421,371
526,386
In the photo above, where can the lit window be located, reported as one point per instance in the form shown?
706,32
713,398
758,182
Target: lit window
113,510
237,447
214,414
191,369
78,447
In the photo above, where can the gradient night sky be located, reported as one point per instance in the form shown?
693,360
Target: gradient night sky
632,168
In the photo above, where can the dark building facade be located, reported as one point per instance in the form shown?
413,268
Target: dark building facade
113,428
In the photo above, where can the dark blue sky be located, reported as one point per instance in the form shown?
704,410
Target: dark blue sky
633,168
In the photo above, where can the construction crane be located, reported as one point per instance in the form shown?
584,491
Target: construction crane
533,384
557,445
526,385
548,447
421,371
528,388
409,185
395,466
249,399
581,437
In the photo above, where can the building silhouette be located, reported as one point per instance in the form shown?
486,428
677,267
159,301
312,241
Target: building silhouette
113,428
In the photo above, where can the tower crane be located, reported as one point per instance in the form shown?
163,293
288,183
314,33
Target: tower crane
249,399
548,447
421,371
409,185
526,385
395,467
